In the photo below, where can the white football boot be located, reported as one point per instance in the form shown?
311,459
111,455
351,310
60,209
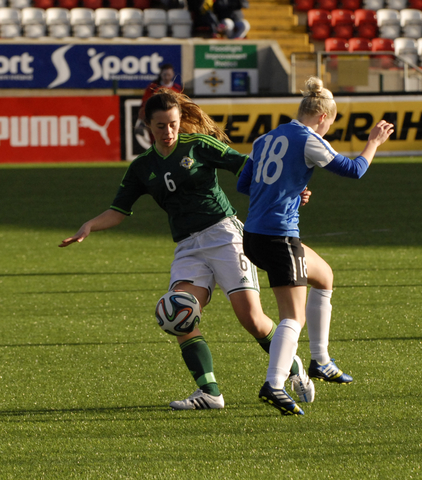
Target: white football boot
302,384
199,401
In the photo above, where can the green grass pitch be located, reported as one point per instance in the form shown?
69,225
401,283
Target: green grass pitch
86,374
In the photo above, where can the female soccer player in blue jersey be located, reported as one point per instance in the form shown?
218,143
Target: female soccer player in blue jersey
279,168
179,172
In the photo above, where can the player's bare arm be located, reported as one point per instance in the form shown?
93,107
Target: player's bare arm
108,219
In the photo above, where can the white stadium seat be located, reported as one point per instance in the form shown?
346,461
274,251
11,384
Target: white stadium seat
373,4
388,23
419,47
155,20
131,22
411,22
396,4
107,22
58,22
19,4
180,22
406,48
82,22
10,23
33,22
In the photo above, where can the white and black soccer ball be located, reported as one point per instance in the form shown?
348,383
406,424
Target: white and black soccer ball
178,313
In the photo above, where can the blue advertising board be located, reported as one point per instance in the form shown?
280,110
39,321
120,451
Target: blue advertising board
84,65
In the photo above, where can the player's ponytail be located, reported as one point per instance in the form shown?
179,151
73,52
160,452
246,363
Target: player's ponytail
316,99
192,118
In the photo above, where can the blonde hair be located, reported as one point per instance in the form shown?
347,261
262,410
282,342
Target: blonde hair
316,99
193,118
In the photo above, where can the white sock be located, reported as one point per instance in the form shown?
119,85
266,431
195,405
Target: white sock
283,348
318,319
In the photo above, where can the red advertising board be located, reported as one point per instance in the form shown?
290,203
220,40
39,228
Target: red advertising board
59,129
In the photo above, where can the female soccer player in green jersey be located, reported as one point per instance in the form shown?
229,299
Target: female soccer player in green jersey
179,172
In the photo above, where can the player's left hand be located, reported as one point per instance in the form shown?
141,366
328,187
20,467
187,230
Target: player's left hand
304,196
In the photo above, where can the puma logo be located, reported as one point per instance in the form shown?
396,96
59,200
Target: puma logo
86,122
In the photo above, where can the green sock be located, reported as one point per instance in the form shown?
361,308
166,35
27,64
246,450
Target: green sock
198,359
266,341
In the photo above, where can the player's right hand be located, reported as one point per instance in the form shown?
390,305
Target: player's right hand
78,237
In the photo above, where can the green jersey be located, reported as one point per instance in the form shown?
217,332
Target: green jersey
184,183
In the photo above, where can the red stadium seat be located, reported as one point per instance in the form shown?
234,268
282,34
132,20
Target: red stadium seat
351,4
142,4
94,4
334,44
327,4
69,4
342,22
415,4
383,45
44,4
366,23
117,4
303,5
319,22
357,44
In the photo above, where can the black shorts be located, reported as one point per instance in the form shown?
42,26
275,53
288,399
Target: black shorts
283,258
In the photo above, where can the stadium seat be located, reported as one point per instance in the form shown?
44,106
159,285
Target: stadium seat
334,44
411,22
366,23
131,22
303,5
351,4
358,44
69,4
10,22
94,4
388,23
327,4
383,45
141,4
373,4
82,22
19,4
155,21
58,22
44,4
407,49
415,4
419,47
342,22
180,23
396,4
33,22
117,4
319,22
107,22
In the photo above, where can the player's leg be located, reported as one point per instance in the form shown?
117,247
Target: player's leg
318,315
282,258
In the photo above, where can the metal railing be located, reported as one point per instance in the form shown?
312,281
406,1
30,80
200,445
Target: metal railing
356,72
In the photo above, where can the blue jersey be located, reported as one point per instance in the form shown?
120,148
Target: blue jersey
278,170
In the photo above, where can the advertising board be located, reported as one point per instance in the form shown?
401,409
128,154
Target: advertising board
59,129
247,119
84,65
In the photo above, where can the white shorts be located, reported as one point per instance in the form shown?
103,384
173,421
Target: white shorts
215,256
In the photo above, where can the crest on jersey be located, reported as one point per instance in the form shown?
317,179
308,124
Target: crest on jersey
187,163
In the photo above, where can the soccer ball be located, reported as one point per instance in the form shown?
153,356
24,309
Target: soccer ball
178,313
